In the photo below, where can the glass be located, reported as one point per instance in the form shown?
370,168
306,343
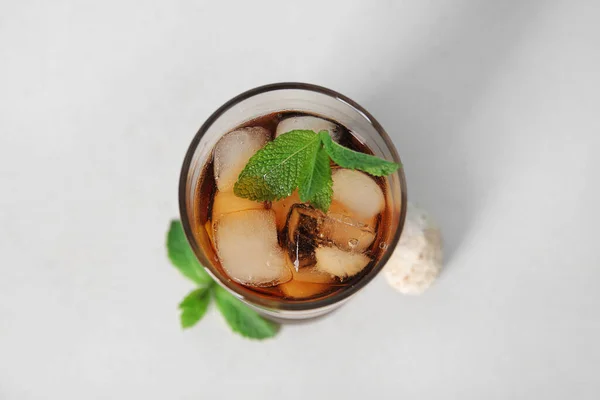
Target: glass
300,97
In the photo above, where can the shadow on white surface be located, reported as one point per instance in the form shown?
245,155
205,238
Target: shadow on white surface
427,101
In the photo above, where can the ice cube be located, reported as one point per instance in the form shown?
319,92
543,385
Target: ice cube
338,208
247,247
312,275
340,263
346,233
358,192
308,228
282,208
302,290
233,151
302,232
228,202
308,274
311,124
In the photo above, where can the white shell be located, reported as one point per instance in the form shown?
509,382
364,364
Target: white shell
417,259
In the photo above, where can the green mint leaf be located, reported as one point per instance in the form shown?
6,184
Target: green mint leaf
274,171
300,159
315,183
182,256
193,307
322,199
351,159
241,318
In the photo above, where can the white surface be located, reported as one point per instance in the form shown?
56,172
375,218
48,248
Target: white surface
417,259
494,109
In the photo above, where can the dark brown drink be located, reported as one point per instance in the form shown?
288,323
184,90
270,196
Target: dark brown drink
287,249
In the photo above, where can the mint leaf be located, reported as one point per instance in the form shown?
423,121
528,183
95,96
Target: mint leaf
274,171
241,318
182,256
293,160
315,179
316,182
194,306
351,159
300,159
322,199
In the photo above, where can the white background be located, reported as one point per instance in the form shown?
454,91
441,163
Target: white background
494,108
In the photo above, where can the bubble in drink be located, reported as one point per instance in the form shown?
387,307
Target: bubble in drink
311,124
233,151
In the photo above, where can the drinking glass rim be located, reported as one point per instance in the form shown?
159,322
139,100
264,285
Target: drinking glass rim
292,305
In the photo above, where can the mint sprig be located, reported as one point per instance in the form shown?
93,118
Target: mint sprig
241,318
315,183
275,170
182,256
194,306
346,158
299,159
